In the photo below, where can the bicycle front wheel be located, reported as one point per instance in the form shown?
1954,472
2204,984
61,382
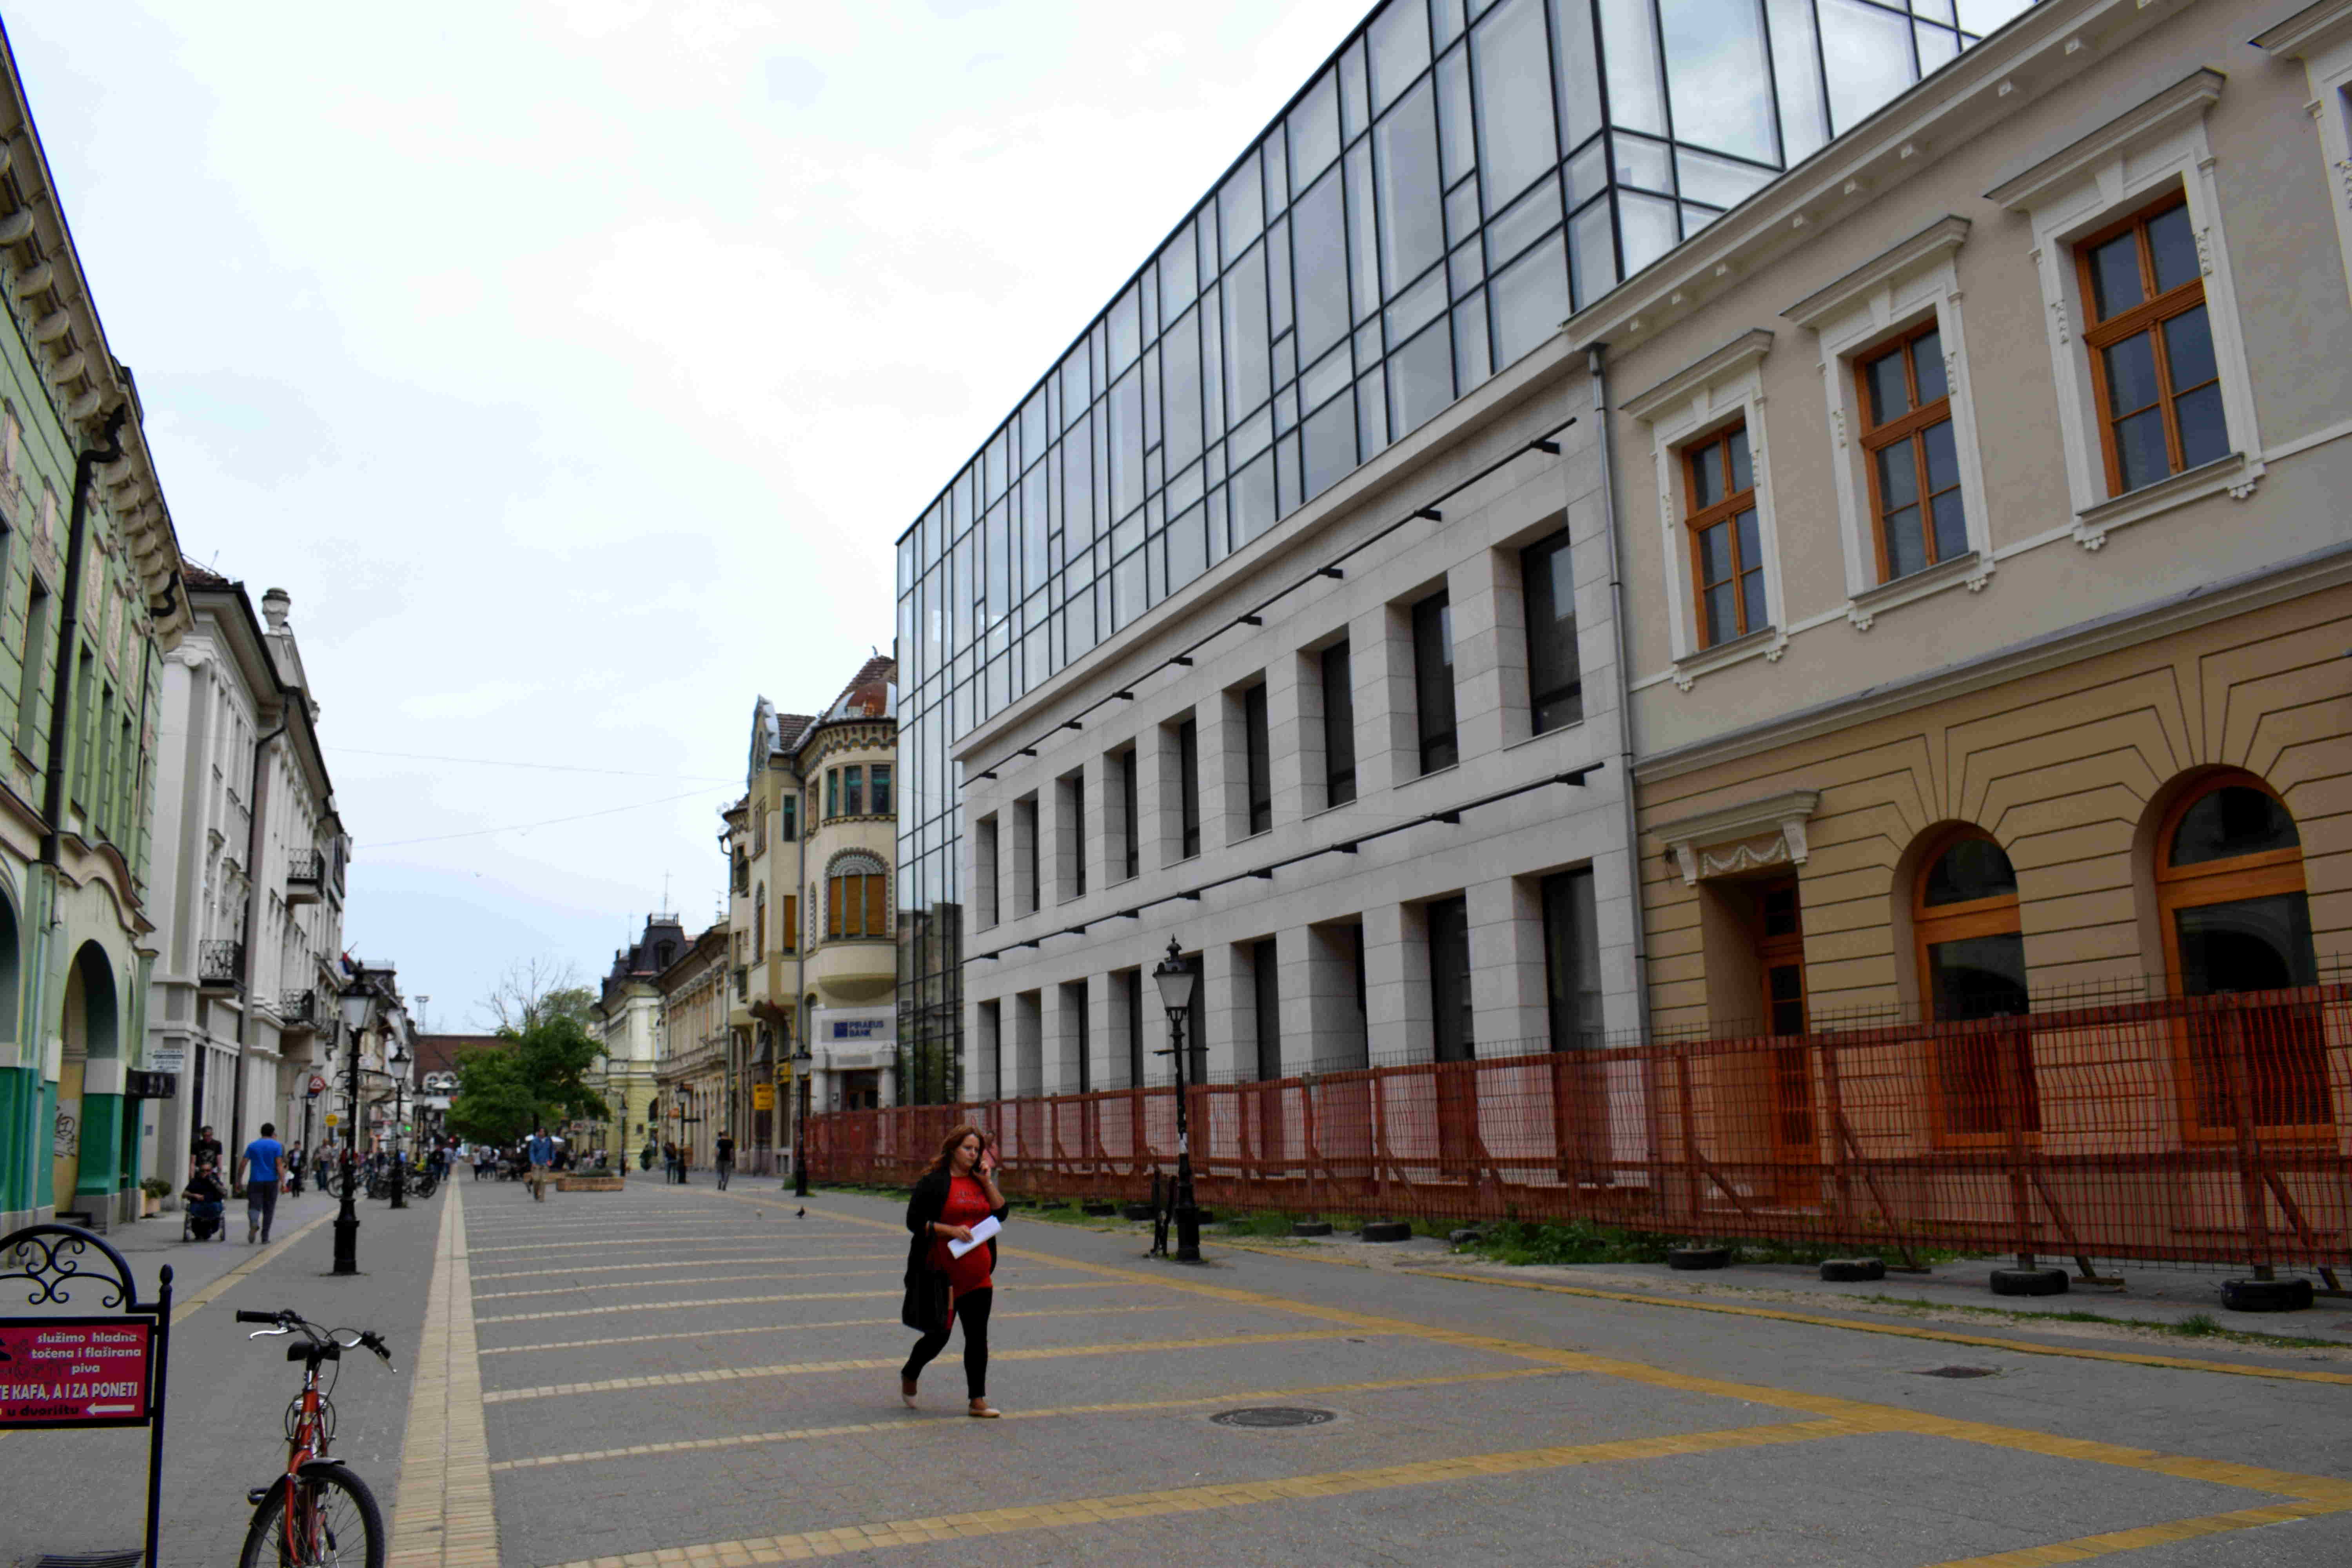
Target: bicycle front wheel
334,1523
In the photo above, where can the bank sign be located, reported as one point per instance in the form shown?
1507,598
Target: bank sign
74,1371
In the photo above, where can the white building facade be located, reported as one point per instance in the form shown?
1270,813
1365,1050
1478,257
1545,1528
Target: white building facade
249,880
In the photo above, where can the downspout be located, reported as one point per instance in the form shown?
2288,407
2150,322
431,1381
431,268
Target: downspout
1596,361
53,783
253,892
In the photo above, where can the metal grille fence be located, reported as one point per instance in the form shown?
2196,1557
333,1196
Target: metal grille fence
2214,1129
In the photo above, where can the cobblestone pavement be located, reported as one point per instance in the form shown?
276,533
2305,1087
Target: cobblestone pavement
673,1376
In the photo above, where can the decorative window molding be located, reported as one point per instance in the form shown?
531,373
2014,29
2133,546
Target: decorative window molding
1722,388
1911,283
2123,165
2321,38
1767,832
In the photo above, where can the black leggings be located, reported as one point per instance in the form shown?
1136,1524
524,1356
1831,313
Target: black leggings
972,1307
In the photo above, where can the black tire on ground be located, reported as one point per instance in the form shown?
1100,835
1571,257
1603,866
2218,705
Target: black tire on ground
2266,1295
1386,1230
348,1508
1690,1257
1310,1227
1100,1211
1135,1211
2028,1281
1853,1268
1465,1236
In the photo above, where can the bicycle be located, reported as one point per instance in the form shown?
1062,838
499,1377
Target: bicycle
318,1514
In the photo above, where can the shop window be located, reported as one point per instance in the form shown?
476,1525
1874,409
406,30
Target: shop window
2229,891
1726,549
1972,957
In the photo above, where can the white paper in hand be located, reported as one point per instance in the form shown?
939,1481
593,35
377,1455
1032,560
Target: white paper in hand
980,1234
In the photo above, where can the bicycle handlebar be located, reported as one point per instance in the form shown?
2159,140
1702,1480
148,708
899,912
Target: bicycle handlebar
245,1317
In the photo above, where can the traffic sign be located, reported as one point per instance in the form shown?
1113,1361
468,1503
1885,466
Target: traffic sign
318,1086
333,1120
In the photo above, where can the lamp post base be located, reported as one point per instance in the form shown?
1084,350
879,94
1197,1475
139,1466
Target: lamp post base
1188,1233
347,1240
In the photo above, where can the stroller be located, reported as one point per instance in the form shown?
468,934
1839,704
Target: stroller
206,1204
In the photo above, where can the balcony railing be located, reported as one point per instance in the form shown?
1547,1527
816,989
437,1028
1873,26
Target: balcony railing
220,965
306,877
297,1011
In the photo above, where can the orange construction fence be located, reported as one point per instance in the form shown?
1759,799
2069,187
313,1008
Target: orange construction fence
2214,1129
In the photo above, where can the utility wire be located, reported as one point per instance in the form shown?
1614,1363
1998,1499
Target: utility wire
526,827
547,767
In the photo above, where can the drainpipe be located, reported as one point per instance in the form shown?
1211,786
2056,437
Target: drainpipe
253,889
1596,361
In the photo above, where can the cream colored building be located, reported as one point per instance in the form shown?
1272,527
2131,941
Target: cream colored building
694,1073
628,1014
847,926
766,855
2075,720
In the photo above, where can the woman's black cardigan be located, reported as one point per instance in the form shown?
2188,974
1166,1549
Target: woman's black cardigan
923,1207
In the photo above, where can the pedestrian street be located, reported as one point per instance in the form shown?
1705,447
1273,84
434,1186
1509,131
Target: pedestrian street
672,1375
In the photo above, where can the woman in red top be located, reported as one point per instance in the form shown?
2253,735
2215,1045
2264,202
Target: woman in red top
955,1192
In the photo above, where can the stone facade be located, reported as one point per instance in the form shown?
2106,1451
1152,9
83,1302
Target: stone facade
694,1072
629,1015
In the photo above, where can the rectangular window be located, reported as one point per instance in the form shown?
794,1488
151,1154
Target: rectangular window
1188,785
984,868
1906,444
1074,1003
1257,745
1024,845
103,783
1555,673
788,818
1266,994
788,928
1449,979
1134,989
1432,677
1130,824
1726,554
29,678
832,794
881,779
2153,371
1338,726
878,905
85,694
1572,960
1070,834
853,791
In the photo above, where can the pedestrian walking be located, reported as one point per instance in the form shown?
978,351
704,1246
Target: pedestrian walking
541,1152
294,1163
955,1192
261,1167
724,1162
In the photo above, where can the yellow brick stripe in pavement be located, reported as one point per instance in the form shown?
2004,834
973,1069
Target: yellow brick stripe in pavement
2083,1548
187,1307
868,1363
745,1300
674,1241
674,1283
442,1516
955,1420
794,1328
1081,1512
672,1264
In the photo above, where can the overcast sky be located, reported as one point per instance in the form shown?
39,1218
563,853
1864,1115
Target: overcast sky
575,367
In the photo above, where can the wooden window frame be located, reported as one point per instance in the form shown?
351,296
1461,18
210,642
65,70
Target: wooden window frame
2153,310
1914,423
1931,923
1697,522
2265,874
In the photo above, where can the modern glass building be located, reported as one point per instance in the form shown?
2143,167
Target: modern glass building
1455,180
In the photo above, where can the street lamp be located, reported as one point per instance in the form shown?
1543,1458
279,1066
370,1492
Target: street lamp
399,1142
357,1001
800,1063
1177,981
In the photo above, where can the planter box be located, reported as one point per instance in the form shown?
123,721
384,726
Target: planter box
587,1184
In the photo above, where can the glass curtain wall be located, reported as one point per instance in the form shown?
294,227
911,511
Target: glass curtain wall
1456,179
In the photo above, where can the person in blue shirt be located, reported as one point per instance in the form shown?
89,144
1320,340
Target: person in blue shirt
541,1152
261,1167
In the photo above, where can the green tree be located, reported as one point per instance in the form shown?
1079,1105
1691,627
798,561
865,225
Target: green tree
539,1076
493,1104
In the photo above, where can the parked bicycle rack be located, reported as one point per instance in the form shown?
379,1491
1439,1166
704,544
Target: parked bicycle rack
70,1370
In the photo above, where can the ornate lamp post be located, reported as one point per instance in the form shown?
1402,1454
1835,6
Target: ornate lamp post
399,1142
357,1001
802,1060
1176,982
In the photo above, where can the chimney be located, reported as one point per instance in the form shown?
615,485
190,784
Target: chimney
274,605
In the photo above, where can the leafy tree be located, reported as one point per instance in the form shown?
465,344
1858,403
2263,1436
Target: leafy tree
536,1077
493,1104
532,991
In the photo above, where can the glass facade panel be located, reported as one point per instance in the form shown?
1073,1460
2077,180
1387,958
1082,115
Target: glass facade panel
1413,159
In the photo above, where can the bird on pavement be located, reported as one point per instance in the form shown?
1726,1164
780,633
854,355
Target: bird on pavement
800,1214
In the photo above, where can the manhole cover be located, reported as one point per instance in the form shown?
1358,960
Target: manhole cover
1960,1372
1263,1415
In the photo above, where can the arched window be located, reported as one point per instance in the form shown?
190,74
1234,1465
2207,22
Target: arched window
1972,966
2229,891
857,897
